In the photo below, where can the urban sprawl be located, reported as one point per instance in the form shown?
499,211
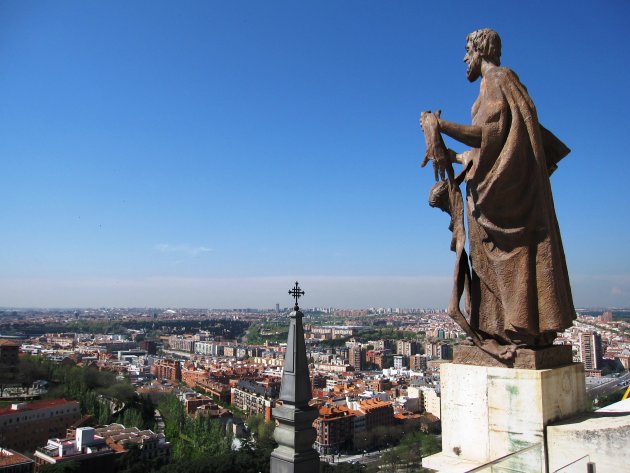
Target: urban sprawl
372,372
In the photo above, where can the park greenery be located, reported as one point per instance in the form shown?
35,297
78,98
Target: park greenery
407,455
258,333
217,327
99,393
200,444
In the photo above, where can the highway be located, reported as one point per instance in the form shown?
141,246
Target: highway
608,386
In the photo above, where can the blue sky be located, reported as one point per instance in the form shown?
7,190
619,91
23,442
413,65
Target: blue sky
207,154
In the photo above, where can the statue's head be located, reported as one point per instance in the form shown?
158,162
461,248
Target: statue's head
481,44
438,197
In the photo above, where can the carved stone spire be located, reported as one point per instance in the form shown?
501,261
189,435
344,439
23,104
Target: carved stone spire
295,433
296,383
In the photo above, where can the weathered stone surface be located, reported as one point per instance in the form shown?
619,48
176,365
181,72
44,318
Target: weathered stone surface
516,290
489,412
524,358
603,436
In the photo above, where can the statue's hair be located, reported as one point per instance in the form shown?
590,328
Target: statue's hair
487,43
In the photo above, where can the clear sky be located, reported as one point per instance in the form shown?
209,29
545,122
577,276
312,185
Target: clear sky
210,153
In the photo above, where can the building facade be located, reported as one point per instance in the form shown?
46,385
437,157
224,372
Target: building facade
356,358
591,350
121,439
418,362
26,426
253,398
9,351
334,426
88,450
167,369
407,347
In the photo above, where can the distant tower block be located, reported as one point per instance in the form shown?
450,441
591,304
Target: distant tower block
591,350
277,308
295,433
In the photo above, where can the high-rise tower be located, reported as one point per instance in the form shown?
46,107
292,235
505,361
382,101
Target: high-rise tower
591,350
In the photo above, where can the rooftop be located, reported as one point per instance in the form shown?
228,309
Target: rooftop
33,406
9,457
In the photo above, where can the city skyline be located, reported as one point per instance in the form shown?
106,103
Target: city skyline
208,155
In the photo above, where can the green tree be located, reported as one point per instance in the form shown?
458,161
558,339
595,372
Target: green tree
390,460
132,417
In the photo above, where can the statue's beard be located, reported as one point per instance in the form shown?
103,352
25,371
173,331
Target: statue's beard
473,70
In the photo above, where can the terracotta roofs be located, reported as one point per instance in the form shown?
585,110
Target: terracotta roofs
32,406
9,457
373,404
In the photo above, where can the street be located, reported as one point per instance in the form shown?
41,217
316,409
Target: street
608,386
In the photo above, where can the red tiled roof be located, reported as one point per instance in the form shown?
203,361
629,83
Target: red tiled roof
331,412
33,406
9,457
373,404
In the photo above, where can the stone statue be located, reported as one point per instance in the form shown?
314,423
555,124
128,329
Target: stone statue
516,290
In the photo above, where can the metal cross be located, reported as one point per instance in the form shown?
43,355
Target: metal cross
296,293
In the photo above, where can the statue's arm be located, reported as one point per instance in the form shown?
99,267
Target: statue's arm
468,134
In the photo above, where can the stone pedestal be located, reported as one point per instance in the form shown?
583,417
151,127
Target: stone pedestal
489,411
295,436
525,358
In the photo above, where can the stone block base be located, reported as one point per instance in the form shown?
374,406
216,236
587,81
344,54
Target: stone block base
525,358
489,412
294,463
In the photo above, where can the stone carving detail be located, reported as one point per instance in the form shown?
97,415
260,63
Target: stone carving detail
516,290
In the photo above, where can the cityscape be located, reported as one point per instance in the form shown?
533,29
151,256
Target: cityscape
374,375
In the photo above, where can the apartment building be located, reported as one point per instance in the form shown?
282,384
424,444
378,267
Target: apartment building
356,358
9,350
254,398
167,369
120,439
181,343
407,347
215,389
334,428
591,350
418,362
88,450
209,348
26,426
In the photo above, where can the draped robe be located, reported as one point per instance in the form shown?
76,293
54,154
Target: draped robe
520,284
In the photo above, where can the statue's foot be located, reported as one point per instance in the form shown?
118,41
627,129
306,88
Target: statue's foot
502,352
468,342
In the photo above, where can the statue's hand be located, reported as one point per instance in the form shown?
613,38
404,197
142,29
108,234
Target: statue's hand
424,116
436,151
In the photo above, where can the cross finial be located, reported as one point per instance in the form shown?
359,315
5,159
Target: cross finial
296,293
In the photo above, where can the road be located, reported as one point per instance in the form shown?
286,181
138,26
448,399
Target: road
369,457
608,386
